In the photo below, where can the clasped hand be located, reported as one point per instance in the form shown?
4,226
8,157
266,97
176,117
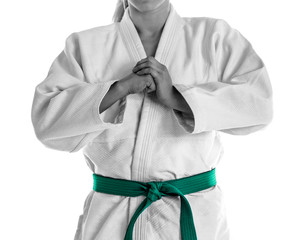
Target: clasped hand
162,81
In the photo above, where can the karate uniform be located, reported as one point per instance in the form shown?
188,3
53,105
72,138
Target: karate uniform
215,69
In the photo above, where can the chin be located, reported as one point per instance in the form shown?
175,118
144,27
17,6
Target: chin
146,5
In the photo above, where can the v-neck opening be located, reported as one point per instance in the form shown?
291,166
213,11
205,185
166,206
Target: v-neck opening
165,37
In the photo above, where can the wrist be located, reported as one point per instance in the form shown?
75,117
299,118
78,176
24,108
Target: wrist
169,101
121,88
176,101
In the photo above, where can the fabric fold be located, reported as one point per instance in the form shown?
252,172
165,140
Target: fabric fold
239,99
65,109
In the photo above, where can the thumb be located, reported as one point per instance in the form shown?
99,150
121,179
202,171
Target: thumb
150,84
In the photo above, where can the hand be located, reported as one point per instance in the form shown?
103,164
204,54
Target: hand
134,83
160,74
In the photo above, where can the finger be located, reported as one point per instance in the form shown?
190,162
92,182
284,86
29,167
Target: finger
149,62
144,65
148,59
151,85
150,71
144,60
153,74
149,90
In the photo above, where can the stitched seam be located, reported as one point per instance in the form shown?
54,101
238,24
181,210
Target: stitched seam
209,46
79,142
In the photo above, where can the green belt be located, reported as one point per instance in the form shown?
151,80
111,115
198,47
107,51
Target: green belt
154,191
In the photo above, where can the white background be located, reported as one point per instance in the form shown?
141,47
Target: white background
261,174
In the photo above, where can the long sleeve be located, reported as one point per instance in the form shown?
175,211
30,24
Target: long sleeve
239,101
65,109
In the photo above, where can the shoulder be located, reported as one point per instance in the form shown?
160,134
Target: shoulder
104,29
90,35
215,29
207,26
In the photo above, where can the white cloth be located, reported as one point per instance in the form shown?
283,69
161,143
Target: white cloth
218,73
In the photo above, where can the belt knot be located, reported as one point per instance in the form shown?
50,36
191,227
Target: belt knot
154,193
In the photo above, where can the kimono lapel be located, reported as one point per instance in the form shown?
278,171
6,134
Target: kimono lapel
167,40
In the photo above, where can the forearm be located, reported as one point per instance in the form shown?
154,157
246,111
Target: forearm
176,101
116,92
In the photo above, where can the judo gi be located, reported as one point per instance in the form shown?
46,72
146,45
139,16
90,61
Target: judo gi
218,73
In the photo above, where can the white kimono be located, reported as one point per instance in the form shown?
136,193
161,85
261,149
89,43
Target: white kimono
217,72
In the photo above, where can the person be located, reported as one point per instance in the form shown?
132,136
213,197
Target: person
146,99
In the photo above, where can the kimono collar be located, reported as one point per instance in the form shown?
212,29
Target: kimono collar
168,37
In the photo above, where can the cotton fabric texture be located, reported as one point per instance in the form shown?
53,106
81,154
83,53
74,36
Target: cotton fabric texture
218,73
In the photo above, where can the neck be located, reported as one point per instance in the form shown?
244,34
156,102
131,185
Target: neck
150,22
